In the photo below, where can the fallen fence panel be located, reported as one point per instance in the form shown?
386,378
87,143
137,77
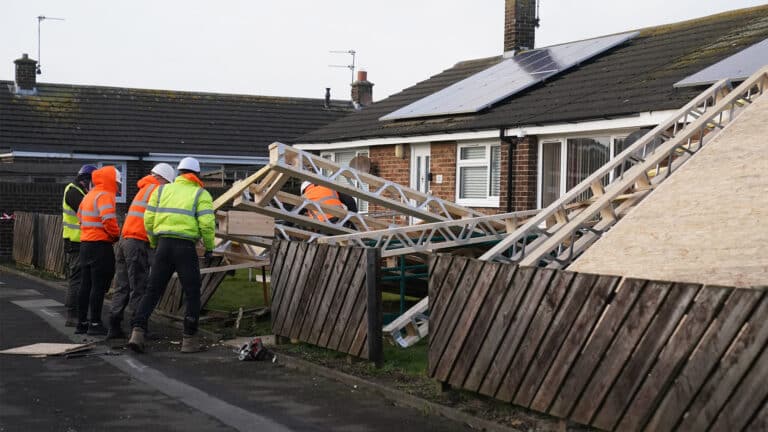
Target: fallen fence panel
612,353
328,296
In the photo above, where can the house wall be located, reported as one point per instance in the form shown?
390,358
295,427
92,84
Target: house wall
525,160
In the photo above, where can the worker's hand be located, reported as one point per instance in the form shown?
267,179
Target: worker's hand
208,257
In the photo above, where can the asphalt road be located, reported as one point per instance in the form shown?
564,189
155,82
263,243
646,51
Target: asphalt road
165,390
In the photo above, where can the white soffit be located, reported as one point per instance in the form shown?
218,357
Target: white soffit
507,78
736,67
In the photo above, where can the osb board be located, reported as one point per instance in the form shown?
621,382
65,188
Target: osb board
47,349
706,223
248,223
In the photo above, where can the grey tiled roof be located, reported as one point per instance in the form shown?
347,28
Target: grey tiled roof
632,78
93,119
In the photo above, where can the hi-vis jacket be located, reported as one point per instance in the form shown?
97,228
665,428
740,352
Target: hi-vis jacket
182,209
98,221
133,227
322,195
69,223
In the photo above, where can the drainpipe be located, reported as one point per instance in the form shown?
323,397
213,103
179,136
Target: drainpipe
512,142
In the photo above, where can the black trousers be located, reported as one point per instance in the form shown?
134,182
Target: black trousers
172,255
97,268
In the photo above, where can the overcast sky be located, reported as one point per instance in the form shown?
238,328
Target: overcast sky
281,47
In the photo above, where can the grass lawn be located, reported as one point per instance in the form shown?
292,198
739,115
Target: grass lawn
237,291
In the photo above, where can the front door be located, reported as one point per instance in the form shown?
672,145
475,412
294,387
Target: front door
420,170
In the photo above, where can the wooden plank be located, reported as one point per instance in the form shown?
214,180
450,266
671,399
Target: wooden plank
580,290
335,321
311,283
290,288
329,295
375,315
319,293
336,300
249,223
439,305
517,328
357,313
748,398
498,329
602,336
680,345
716,340
280,285
600,296
617,354
482,322
732,367
760,422
277,258
437,273
239,187
359,346
440,334
663,324
466,318
354,295
299,287
541,319
225,268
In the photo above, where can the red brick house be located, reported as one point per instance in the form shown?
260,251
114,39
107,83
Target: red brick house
523,150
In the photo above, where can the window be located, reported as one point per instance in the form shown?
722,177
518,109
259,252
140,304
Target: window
573,159
478,174
344,157
121,166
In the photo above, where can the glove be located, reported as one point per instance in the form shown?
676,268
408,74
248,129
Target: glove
208,256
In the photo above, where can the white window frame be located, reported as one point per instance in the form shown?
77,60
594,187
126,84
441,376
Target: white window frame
489,201
331,156
121,166
563,140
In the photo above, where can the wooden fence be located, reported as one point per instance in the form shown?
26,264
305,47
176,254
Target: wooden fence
328,296
37,241
616,354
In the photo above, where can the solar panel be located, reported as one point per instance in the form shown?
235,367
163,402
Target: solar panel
507,78
738,66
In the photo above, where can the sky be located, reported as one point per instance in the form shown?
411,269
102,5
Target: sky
282,47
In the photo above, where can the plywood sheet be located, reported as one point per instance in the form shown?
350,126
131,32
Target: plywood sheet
47,349
706,223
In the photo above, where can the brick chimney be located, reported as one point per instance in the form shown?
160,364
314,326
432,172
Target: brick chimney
362,90
520,24
26,77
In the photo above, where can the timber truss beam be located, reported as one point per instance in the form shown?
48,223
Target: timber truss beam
661,151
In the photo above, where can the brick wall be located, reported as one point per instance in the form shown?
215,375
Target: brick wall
524,172
385,164
443,162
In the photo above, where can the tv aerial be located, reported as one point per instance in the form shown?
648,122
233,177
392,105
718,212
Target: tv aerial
351,66
40,19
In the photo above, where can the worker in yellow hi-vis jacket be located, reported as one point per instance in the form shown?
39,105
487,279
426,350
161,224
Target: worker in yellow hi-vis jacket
177,216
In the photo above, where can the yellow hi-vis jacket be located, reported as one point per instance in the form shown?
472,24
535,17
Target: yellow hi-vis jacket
182,209
69,223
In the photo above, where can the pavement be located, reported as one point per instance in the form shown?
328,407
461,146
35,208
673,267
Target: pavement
210,391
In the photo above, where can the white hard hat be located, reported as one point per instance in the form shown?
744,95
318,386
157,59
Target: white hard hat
304,185
189,163
165,171
118,176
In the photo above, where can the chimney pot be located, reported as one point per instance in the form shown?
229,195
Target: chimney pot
327,97
26,73
362,75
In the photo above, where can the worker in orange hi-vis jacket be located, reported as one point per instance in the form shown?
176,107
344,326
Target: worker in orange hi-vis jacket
98,231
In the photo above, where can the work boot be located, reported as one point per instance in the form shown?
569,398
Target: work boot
81,328
191,344
136,343
115,332
71,320
96,329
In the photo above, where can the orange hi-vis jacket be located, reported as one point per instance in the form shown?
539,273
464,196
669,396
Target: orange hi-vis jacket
98,221
322,195
133,227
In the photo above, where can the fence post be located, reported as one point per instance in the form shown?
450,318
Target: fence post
375,314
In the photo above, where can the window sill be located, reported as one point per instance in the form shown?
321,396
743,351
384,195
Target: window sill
485,203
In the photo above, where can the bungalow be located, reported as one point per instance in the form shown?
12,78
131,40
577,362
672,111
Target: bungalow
516,131
47,131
